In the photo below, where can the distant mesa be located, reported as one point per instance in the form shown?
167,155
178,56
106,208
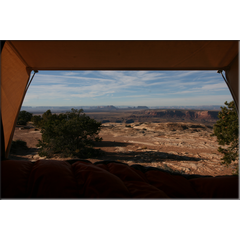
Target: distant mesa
58,109
142,107
178,114
109,107
138,107
201,107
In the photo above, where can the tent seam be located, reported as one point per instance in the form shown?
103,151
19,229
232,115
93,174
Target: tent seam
196,51
18,54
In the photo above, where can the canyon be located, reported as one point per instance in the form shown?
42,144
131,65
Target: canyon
177,141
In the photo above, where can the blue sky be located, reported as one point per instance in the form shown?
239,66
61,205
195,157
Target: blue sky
132,88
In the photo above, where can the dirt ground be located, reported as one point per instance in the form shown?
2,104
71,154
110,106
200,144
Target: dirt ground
179,147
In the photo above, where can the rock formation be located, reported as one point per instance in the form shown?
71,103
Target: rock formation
177,114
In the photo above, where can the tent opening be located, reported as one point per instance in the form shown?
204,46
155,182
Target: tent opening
153,118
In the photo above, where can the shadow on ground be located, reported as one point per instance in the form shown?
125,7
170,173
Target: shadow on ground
145,157
111,144
119,155
21,154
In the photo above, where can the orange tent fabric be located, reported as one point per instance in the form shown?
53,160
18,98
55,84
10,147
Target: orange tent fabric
126,55
14,78
19,58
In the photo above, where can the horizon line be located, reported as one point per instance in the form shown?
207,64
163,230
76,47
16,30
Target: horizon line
123,105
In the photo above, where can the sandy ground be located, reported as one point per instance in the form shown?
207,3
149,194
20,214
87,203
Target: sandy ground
180,147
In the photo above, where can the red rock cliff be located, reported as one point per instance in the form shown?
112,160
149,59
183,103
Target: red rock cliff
185,114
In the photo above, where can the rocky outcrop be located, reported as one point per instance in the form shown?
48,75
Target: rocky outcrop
129,121
178,114
207,115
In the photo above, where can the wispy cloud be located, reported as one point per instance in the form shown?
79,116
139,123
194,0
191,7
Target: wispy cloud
215,86
109,86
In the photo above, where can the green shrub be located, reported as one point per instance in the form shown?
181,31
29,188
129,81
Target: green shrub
70,134
24,117
37,119
226,130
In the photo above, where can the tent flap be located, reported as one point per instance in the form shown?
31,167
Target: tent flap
14,78
232,80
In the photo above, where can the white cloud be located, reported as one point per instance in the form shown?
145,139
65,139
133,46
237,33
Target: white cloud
69,73
131,96
91,94
122,84
47,79
181,74
215,86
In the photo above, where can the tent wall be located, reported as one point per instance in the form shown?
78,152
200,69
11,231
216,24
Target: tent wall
19,58
127,55
232,80
1,130
14,78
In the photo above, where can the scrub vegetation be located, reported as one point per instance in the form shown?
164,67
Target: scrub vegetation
183,145
226,130
68,135
24,117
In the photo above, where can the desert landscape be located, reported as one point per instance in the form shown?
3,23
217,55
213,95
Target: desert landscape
174,140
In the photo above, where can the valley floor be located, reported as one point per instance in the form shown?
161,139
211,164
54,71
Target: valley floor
179,147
